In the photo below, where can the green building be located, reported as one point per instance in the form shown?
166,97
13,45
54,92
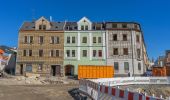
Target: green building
84,45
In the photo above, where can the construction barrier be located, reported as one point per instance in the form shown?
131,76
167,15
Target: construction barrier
104,90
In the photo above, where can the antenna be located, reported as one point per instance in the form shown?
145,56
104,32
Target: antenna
50,18
33,14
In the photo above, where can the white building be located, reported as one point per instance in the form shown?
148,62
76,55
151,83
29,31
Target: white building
125,49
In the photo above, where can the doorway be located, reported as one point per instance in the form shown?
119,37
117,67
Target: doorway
55,70
69,70
21,69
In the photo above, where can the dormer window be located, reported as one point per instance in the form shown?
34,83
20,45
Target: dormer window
42,24
75,27
42,27
124,25
68,27
86,27
82,27
84,24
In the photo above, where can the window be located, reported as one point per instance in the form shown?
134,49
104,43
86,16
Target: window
84,53
25,39
52,53
138,53
94,39
114,25
52,39
94,53
125,51
100,53
86,27
41,39
126,66
24,53
99,39
139,66
124,37
40,27
136,26
115,51
40,67
114,37
57,53
28,68
73,40
75,27
30,52
68,27
98,27
44,27
68,53
28,39
55,39
137,38
124,25
68,39
73,53
31,39
82,27
40,53
116,66
84,40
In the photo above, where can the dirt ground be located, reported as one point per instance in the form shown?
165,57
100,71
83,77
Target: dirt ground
36,92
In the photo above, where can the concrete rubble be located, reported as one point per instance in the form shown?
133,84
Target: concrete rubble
29,79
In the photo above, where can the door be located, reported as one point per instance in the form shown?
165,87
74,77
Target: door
21,69
58,68
53,70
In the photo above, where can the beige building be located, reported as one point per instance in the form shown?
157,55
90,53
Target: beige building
40,48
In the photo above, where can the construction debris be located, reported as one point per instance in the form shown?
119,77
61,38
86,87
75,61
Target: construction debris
35,80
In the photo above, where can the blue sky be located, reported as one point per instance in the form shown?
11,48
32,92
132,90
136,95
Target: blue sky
153,15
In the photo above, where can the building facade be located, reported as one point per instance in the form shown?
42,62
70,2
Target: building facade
125,48
40,48
84,45
58,48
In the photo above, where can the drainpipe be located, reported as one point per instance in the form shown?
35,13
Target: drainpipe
132,52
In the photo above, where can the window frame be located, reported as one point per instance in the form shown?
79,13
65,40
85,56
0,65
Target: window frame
125,51
84,53
115,37
39,53
84,39
100,53
126,68
94,40
116,67
115,50
99,39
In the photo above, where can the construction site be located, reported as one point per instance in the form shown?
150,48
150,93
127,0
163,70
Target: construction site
55,60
